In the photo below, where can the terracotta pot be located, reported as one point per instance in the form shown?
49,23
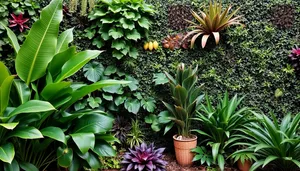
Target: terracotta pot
246,166
184,156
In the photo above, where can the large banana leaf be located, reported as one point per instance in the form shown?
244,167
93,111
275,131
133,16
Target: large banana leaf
4,93
12,37
40,45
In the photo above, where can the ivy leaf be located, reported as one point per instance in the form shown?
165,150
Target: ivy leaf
107,20
127,24
120,100
114,8
160,79
100,12
132,105
117,54
118,44
138,95
134,83
129,15
90,33
94,102
107,97
144,22
133,34
116,33
80,105
98,42
93,71
149,104
133,52
110,70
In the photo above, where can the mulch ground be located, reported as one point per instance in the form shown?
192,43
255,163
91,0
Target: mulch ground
173,166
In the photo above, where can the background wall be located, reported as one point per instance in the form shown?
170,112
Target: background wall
250,60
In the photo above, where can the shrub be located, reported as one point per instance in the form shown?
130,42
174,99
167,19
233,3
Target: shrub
120,24
274,143
221,126
144,158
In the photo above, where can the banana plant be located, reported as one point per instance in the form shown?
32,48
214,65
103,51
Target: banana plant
41,90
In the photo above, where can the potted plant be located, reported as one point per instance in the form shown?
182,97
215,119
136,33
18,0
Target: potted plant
187,97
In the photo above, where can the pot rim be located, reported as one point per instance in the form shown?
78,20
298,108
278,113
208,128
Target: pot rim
185,140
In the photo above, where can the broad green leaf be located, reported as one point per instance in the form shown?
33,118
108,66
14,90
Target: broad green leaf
65,157
127,24
56,90
40,44
144,22
94,102
23,91
63,40
133,52
26,133
76,63
133,85
10,126
100,12
114,89
93,123
160,79
4,93
117,54
4,72
59,60
104,149
107,20
132,105
14,166
132,34
84,141
120,100
91,159
215,150
150,118
168,127
129,15
7,153
107,97
110,70
32,106
12,38
28,166
221,162
116,33
149,104
118,44
93,71
115,8
99,42
54,133
85,90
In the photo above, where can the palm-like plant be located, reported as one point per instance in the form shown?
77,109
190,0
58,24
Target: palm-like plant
187,97
221,125
211,22
274,143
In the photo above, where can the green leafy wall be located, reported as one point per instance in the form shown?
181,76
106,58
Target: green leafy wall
250,60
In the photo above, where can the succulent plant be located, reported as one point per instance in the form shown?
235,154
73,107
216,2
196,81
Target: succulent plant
177,15
18,21
144,158
175,42
294,59
121,128
212,20
283,16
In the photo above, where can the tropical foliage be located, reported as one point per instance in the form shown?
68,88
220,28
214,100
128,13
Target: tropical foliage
211,22
36,128
221,126
274,143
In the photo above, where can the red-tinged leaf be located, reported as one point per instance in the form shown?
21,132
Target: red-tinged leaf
217,37
204,40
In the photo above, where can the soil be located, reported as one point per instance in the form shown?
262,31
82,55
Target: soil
173,166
